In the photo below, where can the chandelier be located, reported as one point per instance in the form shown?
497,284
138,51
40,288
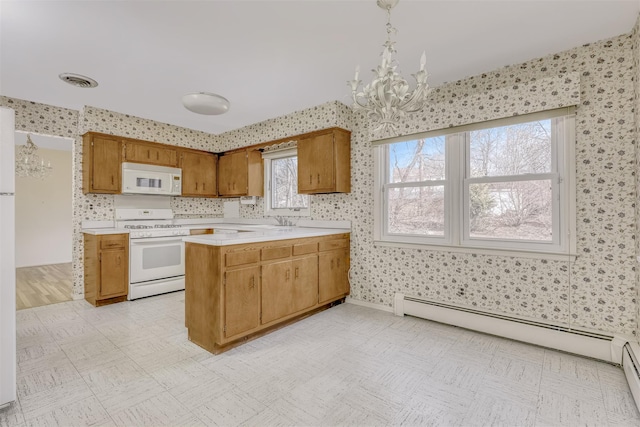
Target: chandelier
387,98
29,163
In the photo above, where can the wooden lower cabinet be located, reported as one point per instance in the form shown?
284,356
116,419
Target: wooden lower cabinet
289,287
241,299
334,267
238,292
106,268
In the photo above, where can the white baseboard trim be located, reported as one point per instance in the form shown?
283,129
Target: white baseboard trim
350,300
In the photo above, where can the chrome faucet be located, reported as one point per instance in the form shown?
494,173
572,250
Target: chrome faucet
283,220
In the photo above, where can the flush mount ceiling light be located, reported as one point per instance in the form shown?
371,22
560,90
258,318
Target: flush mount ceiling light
205,103
387,98
78,80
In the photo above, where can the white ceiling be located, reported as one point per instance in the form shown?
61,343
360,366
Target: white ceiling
270,58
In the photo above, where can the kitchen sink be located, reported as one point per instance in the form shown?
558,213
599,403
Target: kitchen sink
271,227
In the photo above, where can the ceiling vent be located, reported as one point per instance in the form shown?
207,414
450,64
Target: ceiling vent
78,80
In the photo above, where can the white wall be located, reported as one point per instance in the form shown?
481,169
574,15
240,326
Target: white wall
44,214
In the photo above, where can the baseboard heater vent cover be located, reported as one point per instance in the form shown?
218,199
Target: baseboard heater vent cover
573,340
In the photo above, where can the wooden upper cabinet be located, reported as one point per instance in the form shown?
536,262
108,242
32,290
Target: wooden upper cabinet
150,153
240,174
101,163
324,162
199,174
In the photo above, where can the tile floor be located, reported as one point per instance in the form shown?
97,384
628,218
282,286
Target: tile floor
131,364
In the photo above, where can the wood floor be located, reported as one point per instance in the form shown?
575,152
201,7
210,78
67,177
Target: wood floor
43,285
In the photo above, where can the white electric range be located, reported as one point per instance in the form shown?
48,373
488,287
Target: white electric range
156,251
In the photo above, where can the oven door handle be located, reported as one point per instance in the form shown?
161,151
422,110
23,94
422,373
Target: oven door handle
156,240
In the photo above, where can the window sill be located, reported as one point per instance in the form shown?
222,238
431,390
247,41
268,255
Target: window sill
514,253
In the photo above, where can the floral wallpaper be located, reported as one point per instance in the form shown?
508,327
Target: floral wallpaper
635,34
42,118
599,290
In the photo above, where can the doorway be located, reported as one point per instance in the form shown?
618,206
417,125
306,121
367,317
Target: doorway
44,225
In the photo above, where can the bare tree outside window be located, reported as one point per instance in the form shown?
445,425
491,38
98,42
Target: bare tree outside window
284,185
416,191
515,205
506,187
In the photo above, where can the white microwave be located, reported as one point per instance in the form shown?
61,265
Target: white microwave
138,178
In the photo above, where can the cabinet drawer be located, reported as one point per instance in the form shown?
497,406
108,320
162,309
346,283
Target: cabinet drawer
113,241
240,258
333,244
197,231
306,248
275,253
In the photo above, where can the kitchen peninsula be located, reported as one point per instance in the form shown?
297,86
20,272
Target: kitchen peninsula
242,285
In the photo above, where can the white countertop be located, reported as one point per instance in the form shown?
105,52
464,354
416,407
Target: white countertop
252,230
260,234
108,230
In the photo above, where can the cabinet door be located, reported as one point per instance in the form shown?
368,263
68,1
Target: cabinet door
241,300
154,154
233,174
333,281
277,291
114,280
316,164
305,282
105,164
198,174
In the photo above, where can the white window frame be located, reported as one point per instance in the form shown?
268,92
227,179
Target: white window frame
268,209
457,238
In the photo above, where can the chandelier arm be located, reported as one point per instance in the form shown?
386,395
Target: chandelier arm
387,99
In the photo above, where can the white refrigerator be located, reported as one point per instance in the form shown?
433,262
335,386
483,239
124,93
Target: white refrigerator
7,259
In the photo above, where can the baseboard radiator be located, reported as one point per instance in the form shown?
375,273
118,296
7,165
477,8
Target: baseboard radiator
630,354
583,342
609,348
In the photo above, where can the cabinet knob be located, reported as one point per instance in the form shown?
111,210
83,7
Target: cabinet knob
310,179
318,178
252,282
297,273
148,154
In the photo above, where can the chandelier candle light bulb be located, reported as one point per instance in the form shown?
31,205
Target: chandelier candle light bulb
387,98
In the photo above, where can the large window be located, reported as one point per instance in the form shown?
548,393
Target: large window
500,185
281,185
